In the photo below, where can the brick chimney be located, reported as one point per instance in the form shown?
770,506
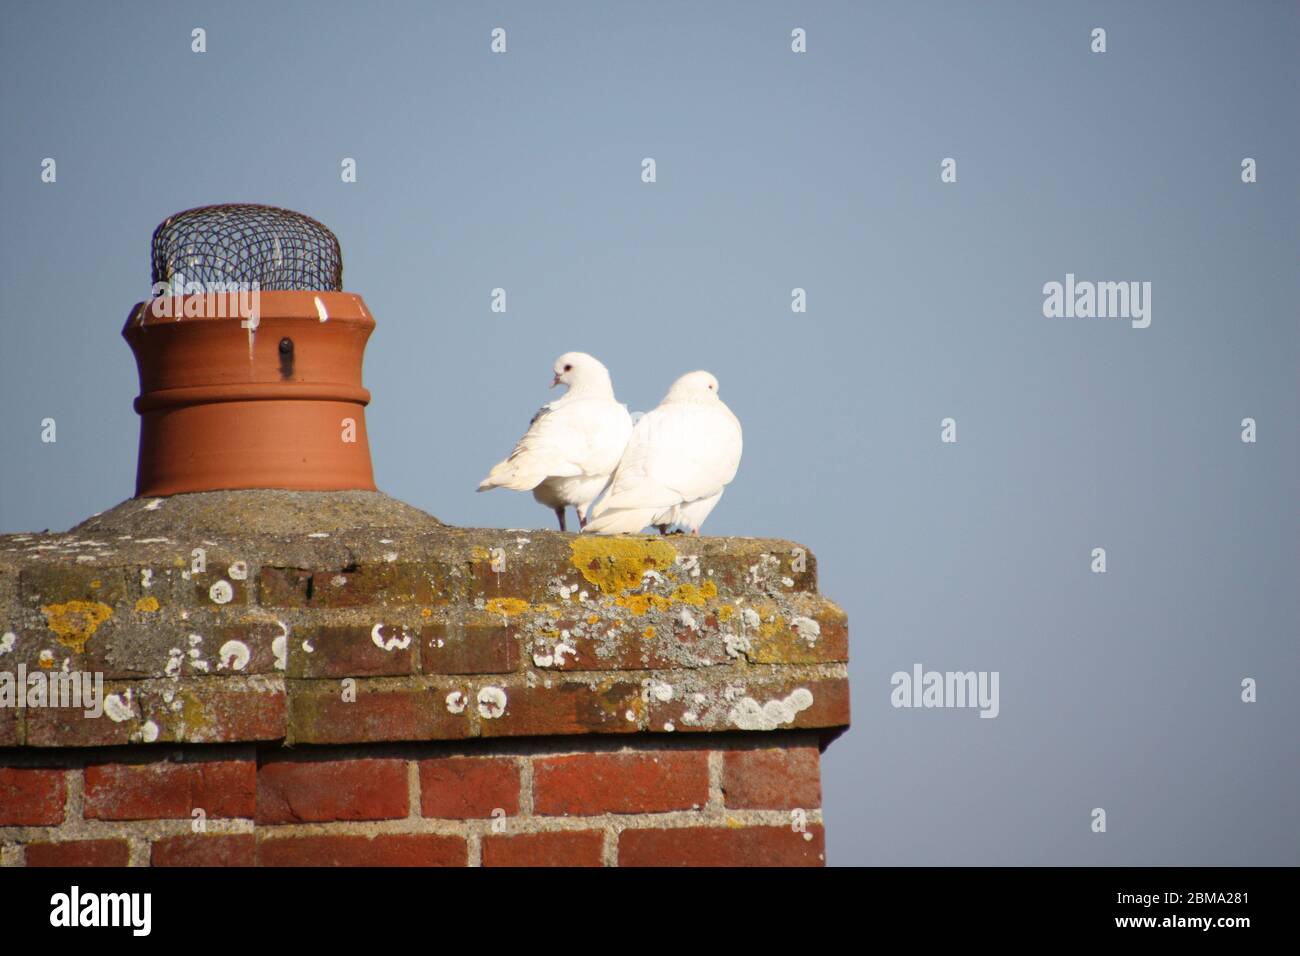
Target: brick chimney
294,676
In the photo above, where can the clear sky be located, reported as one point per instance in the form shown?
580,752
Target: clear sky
775,171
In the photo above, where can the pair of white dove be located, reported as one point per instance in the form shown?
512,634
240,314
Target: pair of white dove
670,469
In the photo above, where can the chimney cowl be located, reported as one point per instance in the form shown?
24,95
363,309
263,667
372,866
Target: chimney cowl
249,376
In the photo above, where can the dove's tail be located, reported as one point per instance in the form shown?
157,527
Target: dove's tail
621,520
508,474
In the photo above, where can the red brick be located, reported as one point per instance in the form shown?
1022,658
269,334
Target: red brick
562,848
786,644
31,797
70,727
586,784
395,585
197,849
156,791
772,778
351,651
218,709
469,648
79,853
318,714
568,708
10,734
721,846
320,791
416,849
462,788
200,586
283,587
829,708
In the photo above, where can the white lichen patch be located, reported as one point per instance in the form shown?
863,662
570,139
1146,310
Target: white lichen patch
456,702
234,655
749,714
399,641
118,707
491,702
149,732
7,642
238,571
153,504
807,628
737,645
221,592
146,578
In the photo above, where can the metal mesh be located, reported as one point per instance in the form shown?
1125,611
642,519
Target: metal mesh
277,249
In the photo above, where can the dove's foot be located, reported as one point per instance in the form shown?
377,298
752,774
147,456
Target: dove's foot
663,528
559,513
582,520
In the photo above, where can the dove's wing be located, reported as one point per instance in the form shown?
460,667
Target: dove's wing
678,452
565,439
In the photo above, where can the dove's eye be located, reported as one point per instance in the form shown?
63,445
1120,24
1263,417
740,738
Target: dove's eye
568,368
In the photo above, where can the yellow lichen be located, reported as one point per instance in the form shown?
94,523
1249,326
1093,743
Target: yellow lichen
592,619
75,622
690,594
648,633
725,612
640,604
147,605
507,606
617,564
426,612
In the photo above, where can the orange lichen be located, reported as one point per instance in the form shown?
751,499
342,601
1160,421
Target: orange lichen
617,564
75,622
507,606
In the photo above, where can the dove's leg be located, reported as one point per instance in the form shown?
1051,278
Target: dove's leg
663,528
582,520
559,513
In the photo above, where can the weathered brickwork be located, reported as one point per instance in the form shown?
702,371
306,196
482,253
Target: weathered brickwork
675,685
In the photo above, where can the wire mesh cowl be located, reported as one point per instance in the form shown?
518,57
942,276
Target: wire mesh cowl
246,246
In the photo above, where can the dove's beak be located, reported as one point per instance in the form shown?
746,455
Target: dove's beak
555,381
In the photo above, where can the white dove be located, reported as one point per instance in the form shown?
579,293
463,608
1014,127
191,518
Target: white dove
572,445
677,463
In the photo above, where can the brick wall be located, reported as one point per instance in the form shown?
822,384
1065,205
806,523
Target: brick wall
337,677
713,800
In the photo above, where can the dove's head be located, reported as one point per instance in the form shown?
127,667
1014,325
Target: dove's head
580,372
694,387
